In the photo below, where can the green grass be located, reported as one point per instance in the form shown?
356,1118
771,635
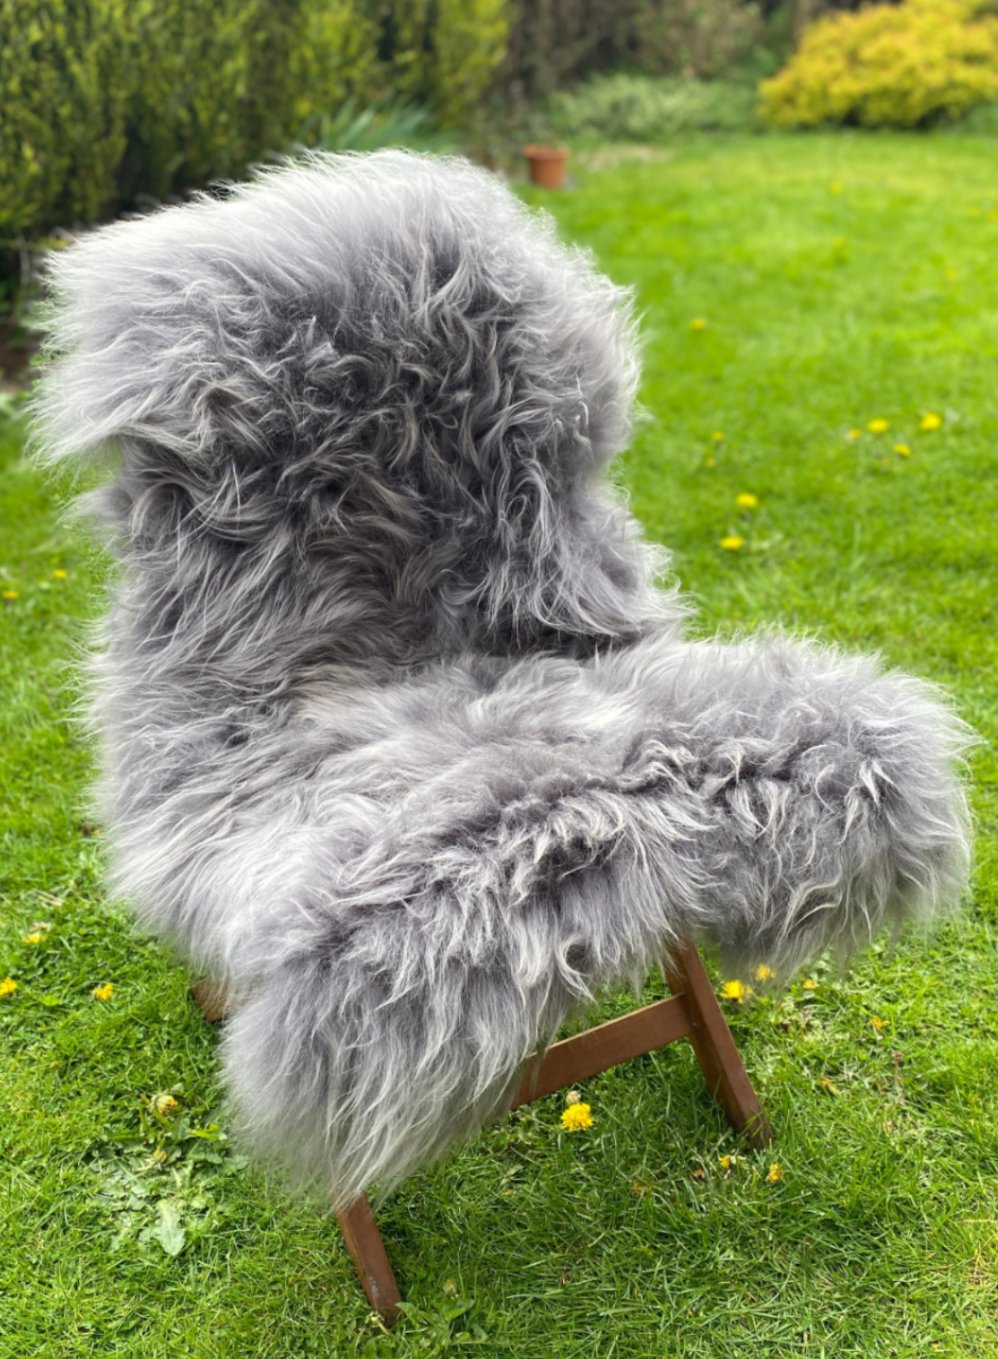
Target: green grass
825,309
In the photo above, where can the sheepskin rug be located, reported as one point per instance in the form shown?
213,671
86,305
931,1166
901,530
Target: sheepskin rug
400,737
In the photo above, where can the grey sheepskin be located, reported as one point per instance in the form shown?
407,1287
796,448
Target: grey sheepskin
399,738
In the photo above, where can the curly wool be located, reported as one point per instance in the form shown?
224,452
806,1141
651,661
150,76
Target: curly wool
399,738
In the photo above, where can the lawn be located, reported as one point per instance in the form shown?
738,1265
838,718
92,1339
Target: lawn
792,291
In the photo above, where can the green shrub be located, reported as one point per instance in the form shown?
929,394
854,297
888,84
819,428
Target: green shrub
697,37
642,108
444,53
555,43
109,101
909,65
334,59
356,126
110,104
206,99
65,112
981,121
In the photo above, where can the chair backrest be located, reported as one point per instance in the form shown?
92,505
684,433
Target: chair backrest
363,404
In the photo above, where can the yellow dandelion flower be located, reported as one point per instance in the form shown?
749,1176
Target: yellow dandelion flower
764,973
33,938
745,500
576,1117
11,594
828,1085
726,1162
59,573
775,1173
698,323
709,461
736,990
809,984
103,992
853,434
902,450
950,275
163,1104
835,186
733,542
877,1024
930,421
878,426
8,986
717,437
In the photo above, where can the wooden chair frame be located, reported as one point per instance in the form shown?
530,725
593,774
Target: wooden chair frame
691,1011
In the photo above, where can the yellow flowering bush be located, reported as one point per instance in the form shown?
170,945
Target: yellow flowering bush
907,65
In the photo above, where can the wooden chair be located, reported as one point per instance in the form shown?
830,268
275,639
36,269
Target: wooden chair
691,1011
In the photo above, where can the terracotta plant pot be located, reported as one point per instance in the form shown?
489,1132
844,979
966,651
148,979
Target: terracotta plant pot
547,165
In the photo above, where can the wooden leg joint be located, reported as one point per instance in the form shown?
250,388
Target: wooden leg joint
714,1047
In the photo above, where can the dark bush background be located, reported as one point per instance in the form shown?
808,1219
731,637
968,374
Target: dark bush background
111,105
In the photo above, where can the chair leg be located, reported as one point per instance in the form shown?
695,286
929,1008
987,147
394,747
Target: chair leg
367,1250
713,1046
715,1049
211,999
360,1231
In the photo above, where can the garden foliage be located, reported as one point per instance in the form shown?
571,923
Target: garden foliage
641,108
911,65
552,43
444,53
108,104
696,38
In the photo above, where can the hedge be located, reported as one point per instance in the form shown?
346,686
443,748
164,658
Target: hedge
108,104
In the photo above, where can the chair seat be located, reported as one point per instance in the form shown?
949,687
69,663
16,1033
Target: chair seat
412,885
